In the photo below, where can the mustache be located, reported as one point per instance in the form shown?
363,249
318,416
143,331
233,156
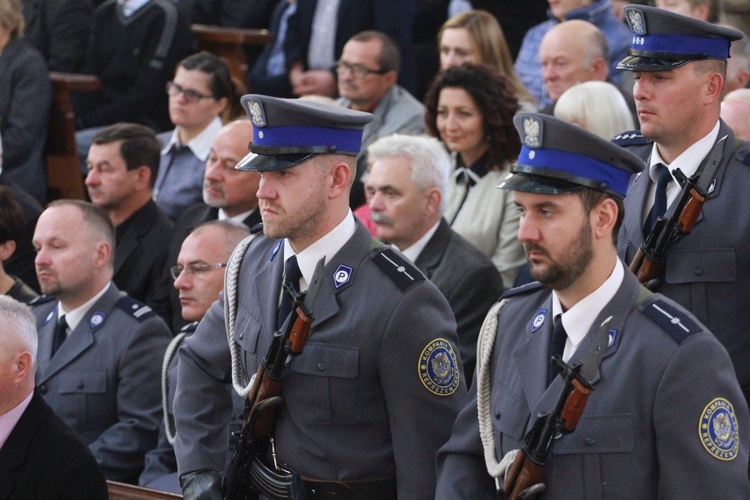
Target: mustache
534,247
379,218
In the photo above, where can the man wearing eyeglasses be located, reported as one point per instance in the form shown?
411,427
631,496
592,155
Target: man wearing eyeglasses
198,277
367,75
122,164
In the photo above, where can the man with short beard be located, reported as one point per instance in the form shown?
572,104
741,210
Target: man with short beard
227,194
665,401
99,350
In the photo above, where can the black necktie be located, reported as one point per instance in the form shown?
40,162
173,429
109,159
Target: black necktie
61,333
292,275
660,196
556,347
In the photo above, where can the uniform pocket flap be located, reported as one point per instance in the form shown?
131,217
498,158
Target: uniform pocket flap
507,415
598,434
246,332
85,382
701,266
326,360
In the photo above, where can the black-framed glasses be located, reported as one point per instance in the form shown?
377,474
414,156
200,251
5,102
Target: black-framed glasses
194,269
358,70
191,96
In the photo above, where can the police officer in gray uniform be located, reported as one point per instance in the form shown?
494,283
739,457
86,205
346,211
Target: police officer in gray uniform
666,417
679,66
374,393
99,350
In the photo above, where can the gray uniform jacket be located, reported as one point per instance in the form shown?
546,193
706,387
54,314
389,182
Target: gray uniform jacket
468,279
640,435
708,271
357,402
104,381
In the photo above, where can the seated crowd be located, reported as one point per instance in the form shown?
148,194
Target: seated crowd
114,284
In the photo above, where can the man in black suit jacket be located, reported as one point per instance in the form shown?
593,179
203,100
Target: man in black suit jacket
40,456
122,165
59,29
227,193
392,17
405,190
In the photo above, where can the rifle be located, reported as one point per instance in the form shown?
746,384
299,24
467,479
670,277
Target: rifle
265,400
526,474
648,263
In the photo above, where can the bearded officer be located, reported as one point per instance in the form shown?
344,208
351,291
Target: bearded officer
666,418
374,393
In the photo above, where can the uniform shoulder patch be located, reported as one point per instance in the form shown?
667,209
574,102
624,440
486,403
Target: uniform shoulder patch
134,308
717,430
42,299
402,272
631,138
672,320
438,368
520,290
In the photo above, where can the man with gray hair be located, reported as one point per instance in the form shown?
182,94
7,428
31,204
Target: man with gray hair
406,188
40,456
735,111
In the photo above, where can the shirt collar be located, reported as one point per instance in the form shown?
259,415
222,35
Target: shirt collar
130,6
327,247
201,143
690,159
76,315
578,319
237,218
413,251
9,420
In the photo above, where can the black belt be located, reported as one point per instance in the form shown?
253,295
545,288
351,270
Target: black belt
284,485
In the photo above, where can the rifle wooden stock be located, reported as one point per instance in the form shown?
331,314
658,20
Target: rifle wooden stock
522,474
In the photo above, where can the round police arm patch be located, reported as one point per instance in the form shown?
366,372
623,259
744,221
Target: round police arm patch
718,430
438,368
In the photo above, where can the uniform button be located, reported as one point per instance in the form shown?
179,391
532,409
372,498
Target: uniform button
589,441
43,389
698,270
321,367
242,334
80,385
497,415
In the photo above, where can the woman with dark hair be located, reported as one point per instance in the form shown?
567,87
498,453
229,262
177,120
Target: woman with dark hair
470,109
11,228
202,97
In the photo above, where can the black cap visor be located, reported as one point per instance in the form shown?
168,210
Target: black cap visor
255,162
638,60
537,184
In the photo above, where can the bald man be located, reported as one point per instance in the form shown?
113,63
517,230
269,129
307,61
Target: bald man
735,111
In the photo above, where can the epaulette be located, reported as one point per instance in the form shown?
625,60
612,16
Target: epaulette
257,228
190,327
138,310
631,138
401,271
672,320
42,299
525,288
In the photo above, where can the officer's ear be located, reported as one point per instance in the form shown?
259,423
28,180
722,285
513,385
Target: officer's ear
21,365
341,175
143,177
433,199
603,218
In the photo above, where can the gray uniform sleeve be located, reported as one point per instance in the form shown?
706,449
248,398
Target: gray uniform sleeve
203,402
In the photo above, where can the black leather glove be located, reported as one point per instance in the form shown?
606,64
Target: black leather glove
202,485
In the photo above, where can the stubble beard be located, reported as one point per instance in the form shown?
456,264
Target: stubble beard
562,273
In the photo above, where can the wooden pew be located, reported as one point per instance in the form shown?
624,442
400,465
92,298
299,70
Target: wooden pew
122,491
229,44
64,177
